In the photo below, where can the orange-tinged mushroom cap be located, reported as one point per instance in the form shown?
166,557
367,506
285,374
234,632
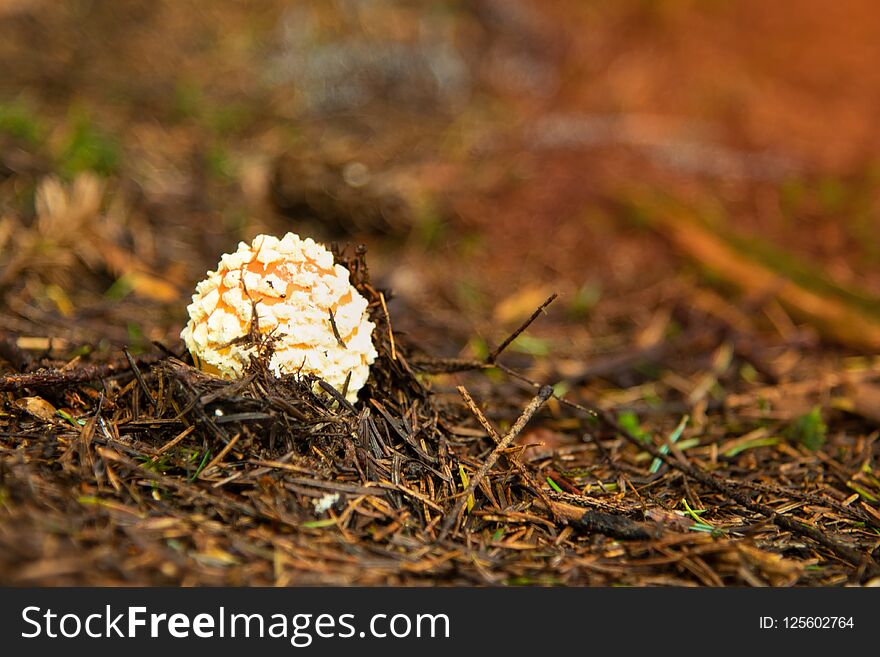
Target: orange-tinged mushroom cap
295,287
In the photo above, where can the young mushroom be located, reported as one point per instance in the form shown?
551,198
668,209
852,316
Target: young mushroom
317,320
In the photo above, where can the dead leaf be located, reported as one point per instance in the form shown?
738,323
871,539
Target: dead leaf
152,287
38,407
522,303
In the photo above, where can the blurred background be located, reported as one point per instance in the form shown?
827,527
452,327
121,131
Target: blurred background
664,166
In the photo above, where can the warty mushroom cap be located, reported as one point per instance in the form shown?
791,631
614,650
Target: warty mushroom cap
295,288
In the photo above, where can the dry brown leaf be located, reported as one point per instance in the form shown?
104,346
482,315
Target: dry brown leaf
38,407
522,303
152,287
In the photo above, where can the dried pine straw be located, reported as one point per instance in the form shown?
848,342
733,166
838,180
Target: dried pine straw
168,475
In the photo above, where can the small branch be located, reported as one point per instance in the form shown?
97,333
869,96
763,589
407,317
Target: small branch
336,329
616,526
333,392
513,336
431,365
848,554
217,459
390,332
137,375
51,378
537,401
493,434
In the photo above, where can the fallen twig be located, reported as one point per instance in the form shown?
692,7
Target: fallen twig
50,378
513,336
848,554
493,434
538,400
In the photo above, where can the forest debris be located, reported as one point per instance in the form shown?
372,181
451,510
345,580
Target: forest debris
537,401
781,571
613,525
527,478
38,407
528,322
842,550
616,526
49,378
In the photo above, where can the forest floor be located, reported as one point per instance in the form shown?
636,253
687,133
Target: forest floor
687,192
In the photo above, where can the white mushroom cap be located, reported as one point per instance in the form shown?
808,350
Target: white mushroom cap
294,286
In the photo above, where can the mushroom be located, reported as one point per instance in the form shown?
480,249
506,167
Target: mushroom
317,320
